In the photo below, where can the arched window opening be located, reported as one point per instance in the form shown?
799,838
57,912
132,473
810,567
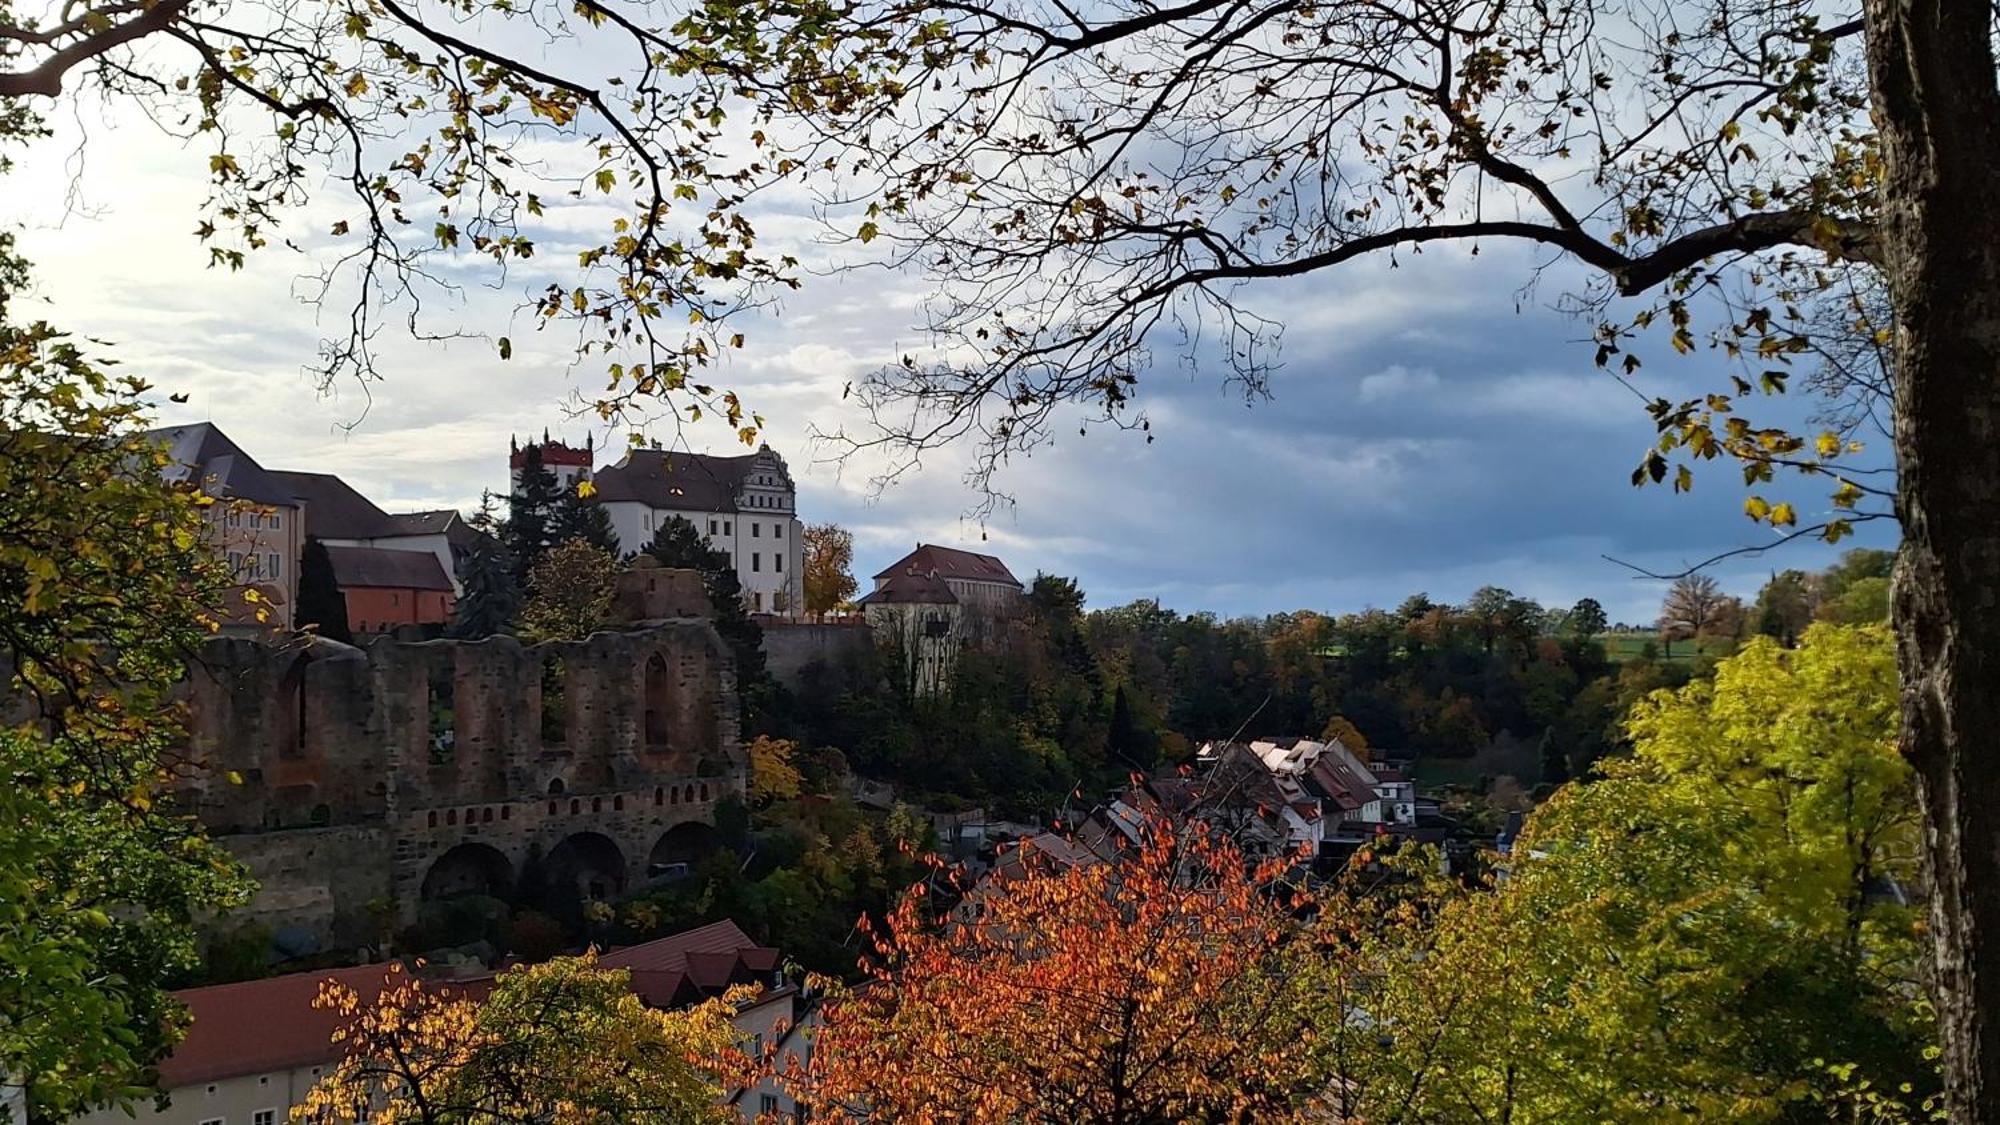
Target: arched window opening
555,702
555,786
659,702
443,712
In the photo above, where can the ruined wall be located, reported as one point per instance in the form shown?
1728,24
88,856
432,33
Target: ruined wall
790,646
409,769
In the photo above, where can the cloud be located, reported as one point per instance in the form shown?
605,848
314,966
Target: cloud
1432,428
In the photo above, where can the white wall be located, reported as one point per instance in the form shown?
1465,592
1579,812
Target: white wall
754,541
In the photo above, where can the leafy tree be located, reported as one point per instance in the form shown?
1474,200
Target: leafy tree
579,517
773,777
562,1041
1694,606
1130,744
108,580
1785,606
1586,619
491,596
1339,729
1709,975
574,585
1864,601
530,527
1158,988
829,561
321,604
678,544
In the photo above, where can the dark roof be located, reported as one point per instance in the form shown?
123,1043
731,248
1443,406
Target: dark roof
205,455
950,562
263,1026
334,510
662,478
910,589
440,521
681,968
379,567
670,954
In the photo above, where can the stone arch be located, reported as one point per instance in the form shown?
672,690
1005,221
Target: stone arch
659,696
681,847
475,869
555,787
589,864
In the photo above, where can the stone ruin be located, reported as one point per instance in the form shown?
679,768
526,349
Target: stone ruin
357,782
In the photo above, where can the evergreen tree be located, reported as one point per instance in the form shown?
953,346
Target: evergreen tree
678,544
321,604
1555,763
581,517
491,596
532,509
1130,743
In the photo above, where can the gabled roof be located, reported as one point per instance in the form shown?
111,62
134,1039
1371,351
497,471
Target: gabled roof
269,1025
381,568
662,478
950,563
909,588
681,968
670,953
334,510
204,455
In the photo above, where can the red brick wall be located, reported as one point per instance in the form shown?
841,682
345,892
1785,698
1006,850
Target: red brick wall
377,609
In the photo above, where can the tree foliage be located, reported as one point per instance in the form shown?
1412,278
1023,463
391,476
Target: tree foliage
574,584
321,604
560,1043
107,581
829,578
491,597
1160,988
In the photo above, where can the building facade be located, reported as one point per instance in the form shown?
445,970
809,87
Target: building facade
255,524
745,507
386,589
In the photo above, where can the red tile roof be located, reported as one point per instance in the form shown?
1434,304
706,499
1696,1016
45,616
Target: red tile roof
270,1025
385,569
950,562
670,954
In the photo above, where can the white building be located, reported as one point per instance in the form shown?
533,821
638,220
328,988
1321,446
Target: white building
744,506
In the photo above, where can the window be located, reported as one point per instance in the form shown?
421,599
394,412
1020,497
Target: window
235,518
235,562
711,527
756,531
766,1104
275,525
756,561
778,563
726,528
777,531
264,1117
277,566
757,600
211,1120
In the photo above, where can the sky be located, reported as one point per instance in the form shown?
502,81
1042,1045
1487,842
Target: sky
1434,428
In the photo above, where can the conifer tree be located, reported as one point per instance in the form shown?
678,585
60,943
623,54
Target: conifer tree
531,515
1555,763
577,516
321,604
490,597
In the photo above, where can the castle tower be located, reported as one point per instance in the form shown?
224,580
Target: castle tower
569,463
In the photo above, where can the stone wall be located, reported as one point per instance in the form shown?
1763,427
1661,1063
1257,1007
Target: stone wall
406,769
789,646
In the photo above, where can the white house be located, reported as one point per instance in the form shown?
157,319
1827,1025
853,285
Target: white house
744,506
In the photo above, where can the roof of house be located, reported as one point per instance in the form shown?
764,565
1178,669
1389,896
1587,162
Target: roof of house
661,478
334,510
703,961
950,562
381,568
205,455
269,1025
910,588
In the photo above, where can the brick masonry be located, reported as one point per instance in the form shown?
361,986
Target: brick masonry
385,774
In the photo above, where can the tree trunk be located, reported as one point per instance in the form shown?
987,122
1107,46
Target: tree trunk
1932,71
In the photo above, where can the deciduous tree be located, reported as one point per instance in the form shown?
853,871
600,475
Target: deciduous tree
1692,608
108,580
574,584
560,1043
1157,988
829,550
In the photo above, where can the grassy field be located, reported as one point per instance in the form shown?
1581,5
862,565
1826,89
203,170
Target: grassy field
1621,647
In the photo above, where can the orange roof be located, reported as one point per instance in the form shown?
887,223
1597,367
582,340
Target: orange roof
264,1026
